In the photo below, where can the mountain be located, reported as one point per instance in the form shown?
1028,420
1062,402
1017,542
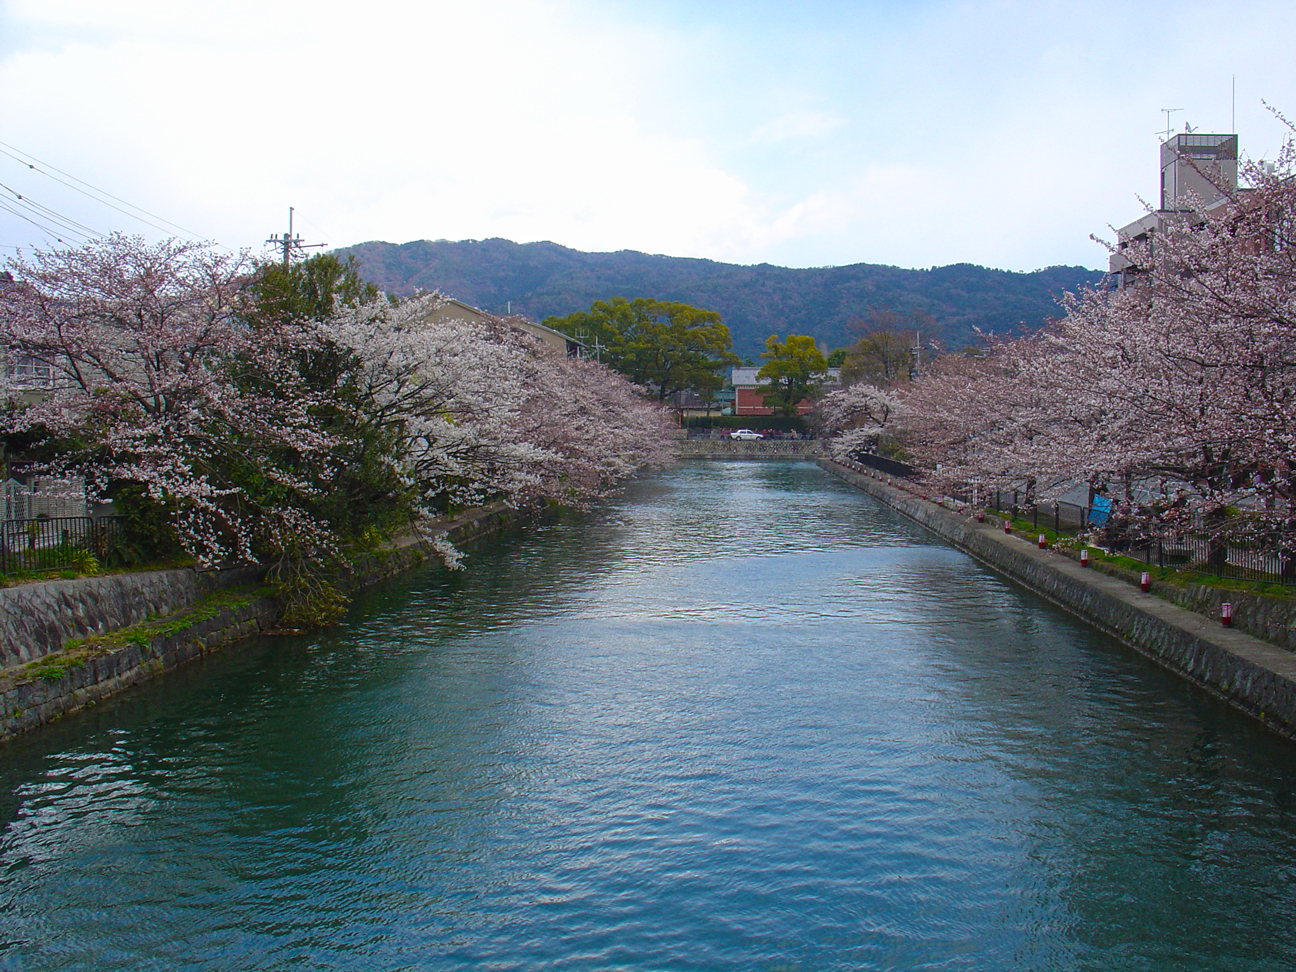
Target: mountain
544,279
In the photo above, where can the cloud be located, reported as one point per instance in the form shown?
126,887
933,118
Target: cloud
800,124
946,132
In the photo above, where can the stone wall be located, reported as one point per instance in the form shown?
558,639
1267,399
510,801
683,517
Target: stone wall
36,619
751,449
1257,677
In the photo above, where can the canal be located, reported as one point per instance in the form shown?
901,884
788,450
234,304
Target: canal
741,717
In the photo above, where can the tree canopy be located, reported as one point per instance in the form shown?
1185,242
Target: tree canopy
795,368
1182,383
883,354
269,414
666,345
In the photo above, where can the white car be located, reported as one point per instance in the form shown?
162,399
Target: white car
745,434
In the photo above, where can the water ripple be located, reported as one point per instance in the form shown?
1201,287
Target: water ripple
739,718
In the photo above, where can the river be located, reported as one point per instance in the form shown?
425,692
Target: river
740,717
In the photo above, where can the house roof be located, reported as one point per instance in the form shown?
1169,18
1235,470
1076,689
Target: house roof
454,309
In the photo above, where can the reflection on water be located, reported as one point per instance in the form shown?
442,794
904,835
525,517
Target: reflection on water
740,718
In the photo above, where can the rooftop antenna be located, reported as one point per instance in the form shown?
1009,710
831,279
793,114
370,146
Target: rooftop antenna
1233,117
1169,129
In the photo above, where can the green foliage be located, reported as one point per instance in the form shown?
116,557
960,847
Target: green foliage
83,562
795,369
667,345
883,355
308,290
49,673
309,598
148,526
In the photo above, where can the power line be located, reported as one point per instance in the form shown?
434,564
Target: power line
28,203
4,204
91,195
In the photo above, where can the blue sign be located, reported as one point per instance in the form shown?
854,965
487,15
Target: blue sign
1099,511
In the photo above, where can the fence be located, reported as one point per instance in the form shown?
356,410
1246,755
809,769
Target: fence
56,542
1184,550
892,467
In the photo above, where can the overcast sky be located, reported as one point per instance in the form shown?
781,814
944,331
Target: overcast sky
802,134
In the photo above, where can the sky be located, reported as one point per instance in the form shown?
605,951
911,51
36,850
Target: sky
913,134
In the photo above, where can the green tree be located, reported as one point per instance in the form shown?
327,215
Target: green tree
883,355
308,290
795,369
359,489
667,345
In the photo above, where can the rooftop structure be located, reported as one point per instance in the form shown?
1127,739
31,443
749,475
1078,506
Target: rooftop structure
453,309
1197,169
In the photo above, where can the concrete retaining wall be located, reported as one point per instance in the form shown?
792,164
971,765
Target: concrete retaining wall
1250,674
36,619
65,681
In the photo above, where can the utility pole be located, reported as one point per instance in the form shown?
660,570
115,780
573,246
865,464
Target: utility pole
290,242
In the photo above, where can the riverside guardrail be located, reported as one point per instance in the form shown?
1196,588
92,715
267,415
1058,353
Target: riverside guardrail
751,449
1190,552
56,542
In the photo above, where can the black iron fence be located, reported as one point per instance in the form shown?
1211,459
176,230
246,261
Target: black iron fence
57,542
1180,549
1188,550
892,467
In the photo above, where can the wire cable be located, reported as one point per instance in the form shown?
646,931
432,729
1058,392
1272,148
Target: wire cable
4,205
138,209
29,203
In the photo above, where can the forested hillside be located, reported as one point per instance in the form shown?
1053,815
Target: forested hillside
544,279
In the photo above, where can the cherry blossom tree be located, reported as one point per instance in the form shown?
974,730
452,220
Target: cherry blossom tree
858,416
238,419
157,380
484,411
1187,377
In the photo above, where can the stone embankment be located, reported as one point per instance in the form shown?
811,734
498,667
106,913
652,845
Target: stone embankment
1251,674
68,644
751,449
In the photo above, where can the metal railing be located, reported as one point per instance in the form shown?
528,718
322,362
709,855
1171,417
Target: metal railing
1181,549
57,542
892,467
1186,549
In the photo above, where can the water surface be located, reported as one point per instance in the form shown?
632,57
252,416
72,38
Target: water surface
742,717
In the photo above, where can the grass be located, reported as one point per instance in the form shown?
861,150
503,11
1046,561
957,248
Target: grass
71,571
54,667
1120,564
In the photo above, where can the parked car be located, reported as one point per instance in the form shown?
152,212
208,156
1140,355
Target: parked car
745,434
